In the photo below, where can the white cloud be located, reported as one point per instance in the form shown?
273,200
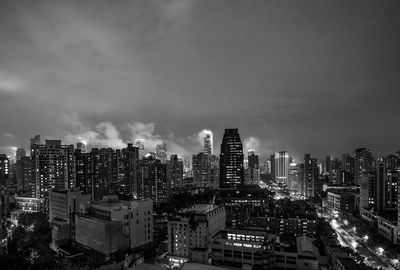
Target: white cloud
252,143
10,82
8,150
9,135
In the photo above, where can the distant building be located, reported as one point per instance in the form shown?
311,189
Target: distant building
4,170
208,143
161,152
153,183
311,175
231,160
281,167
201,166
190,232
294,176
252,172
363,163
81,146
139,144
175,172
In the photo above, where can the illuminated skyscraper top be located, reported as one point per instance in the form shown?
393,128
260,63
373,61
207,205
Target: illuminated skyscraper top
231,160
208,143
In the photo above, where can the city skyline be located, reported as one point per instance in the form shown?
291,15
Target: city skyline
301,77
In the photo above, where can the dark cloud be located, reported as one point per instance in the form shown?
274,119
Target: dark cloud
302,76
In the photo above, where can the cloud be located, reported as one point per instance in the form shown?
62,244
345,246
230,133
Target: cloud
9,135
253,143
10,82
8,150
106,134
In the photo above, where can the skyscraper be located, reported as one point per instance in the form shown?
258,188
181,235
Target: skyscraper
310,177
153,183
139,144
208,143
231,160
281,167
252,172
175,172
4,170
363,163
161,152
201,166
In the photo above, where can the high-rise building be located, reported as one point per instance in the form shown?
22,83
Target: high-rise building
4,170
23,173
310,175
252,172
281,167
175,172
231,160
363,163
201,167
20,153
161,152
53,167
129,161
348,169
81,146
294,176
208,143
139,144
153,183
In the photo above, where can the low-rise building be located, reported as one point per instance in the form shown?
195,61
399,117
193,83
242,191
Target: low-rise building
341,201
29,204
236,248
190,231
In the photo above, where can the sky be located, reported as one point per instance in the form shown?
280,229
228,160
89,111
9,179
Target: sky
319,77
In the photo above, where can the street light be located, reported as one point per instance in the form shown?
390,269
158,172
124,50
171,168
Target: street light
365,237
346,222
354,229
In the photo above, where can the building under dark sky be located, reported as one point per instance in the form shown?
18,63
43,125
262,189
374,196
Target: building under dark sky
231,160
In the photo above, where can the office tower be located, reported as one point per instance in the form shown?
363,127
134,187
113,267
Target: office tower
129,160
63,205
231,160
294,176
175,172
187,167
208,143
161,152
281,167
380,189
4,170
23,173
53,168
391,189
201,167
272,162
81,146
348,169
252,172
310,178
393,162
153,183
368,187
363,163
112,226
139,144
190,231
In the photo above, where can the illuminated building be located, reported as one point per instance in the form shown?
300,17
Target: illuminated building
4,170
139,144
153,183
201,166
231,160
252,172
53,167
175,172
363,163
294,176
208,143
236,248
190,231
281,167
310,176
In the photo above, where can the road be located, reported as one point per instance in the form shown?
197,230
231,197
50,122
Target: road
347,237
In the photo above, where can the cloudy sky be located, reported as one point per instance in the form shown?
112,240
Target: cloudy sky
303,76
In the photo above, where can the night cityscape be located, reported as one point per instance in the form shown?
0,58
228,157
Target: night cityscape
193,134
